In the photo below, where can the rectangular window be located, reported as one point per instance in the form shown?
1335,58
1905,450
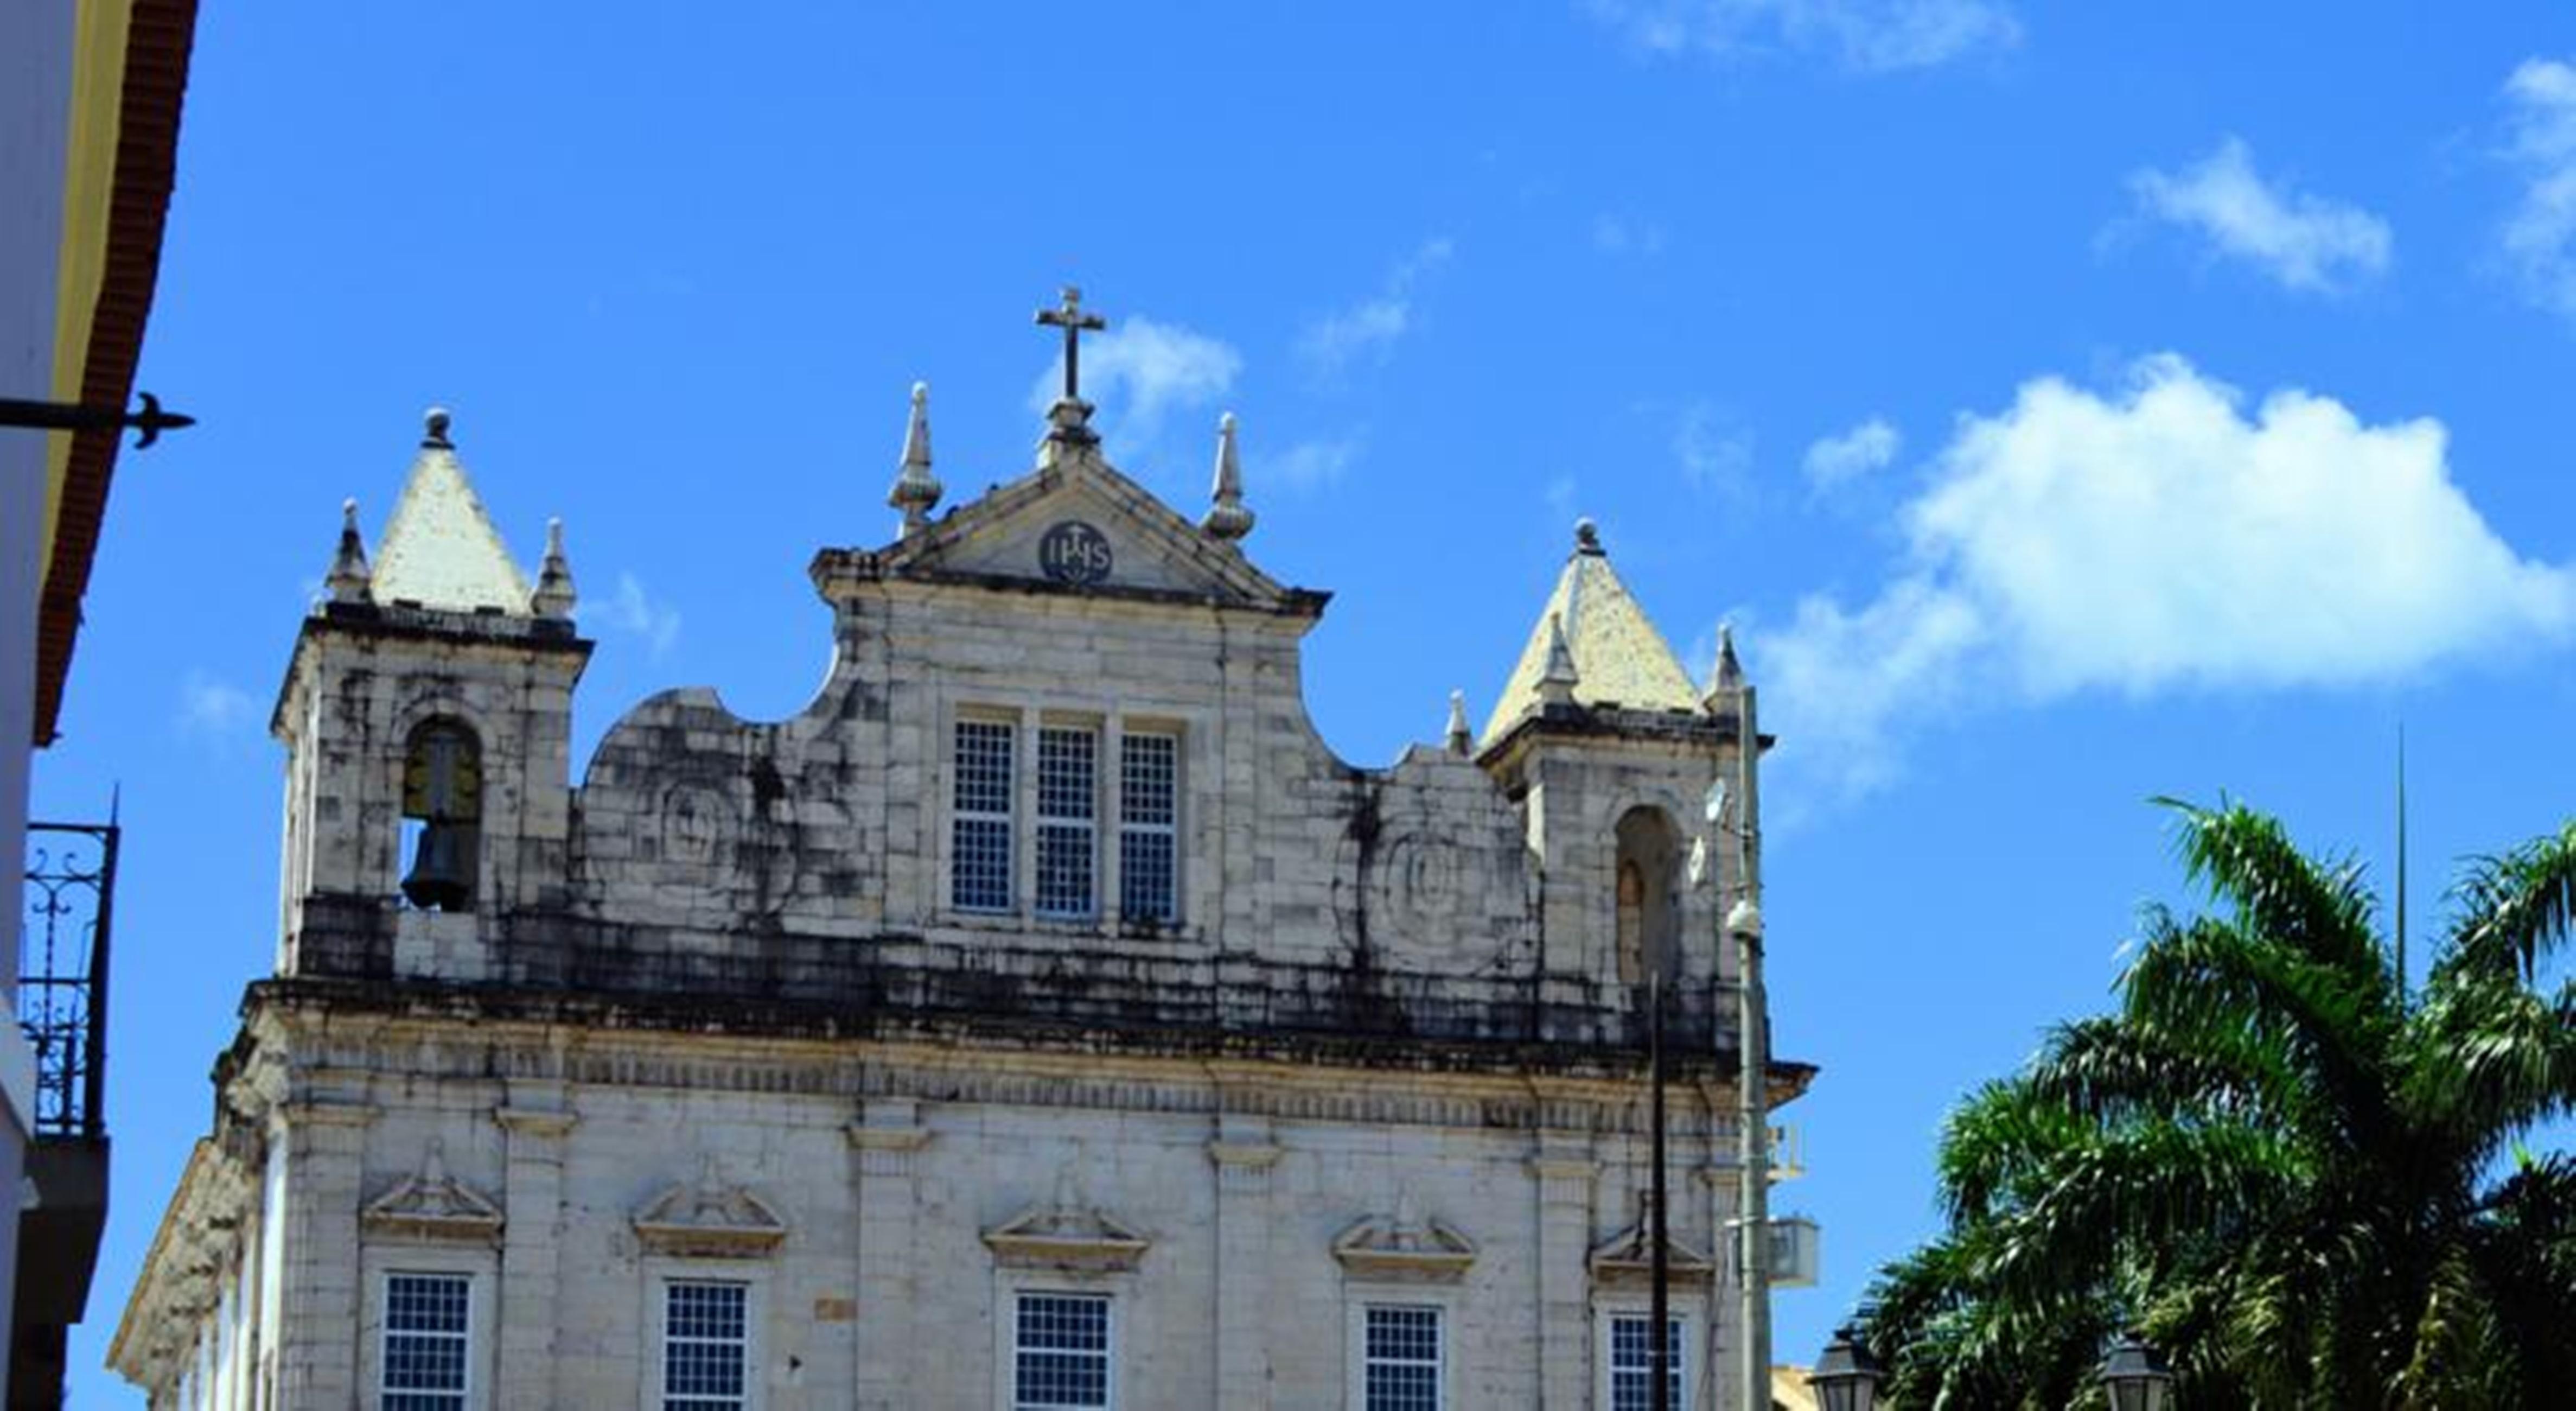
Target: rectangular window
1632,1365
980,838
428,1327
706,1346
1402,1365
1060,1352
1068,802
1148,826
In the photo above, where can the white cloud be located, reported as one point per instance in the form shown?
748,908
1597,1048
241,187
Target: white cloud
1138,371
1369,329
2157,539
215,709
637,613
2303,240
1618,235
1838,460
1715,451
2540,236
1863,36
1309,465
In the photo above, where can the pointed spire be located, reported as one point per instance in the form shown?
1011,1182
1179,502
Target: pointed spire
1727,678
349,577
439,548
916,490
1592,645
554,596
1460,742
1227,519
1556,685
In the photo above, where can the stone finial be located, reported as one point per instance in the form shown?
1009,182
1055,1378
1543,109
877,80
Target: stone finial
433,429
916,490
1587,536
1556,685
350,580
1728,677
1227,518
1460,742
554,596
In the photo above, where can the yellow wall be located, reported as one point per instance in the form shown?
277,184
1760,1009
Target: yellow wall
98,92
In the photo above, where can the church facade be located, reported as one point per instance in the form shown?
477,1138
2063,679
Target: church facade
1043,1018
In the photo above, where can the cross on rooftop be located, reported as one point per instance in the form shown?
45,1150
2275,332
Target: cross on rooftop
1070,317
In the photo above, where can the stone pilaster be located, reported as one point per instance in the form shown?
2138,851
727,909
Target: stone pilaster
1564,1170
886,1140
317,1340
1243,1154
535,1123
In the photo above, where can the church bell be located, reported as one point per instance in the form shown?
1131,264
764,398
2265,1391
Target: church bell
442,868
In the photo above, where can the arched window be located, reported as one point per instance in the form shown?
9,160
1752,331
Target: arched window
1648,901
442,811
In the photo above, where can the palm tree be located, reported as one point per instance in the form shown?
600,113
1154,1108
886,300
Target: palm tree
2303,1183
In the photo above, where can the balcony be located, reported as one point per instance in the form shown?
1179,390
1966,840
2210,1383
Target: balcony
70,901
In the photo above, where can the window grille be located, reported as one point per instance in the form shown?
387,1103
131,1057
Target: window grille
1632,1365
1068,803
706,1346
1060,1352
1402,1368
980,841
428,1330
1148,827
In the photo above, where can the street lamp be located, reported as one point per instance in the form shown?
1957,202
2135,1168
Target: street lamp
1846,1376
2136,1376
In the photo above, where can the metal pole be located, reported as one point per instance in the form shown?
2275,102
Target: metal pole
1660,1310
1753,1048
102,932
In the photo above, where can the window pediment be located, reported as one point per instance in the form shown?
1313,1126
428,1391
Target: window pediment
1405,1247
1067,1232
430,1204
1628,1257
712,1218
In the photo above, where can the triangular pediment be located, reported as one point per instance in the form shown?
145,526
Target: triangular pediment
711,1218
1404,1247
1077,525
1628,1257
430,1204
1066,1232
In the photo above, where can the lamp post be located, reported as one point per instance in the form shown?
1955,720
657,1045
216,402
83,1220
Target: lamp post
2136,1375
1743,924
1846,1376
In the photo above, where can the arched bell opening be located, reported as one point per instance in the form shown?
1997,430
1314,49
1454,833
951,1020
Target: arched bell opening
442,815
1648,902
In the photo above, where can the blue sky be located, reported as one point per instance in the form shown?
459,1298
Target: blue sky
2067,405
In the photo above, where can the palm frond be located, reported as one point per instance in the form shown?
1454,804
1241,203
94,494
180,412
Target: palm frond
2247,859
2512,910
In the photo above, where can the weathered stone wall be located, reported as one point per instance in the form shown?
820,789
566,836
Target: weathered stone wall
887,1174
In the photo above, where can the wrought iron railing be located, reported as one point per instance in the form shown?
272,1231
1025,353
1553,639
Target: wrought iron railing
62,972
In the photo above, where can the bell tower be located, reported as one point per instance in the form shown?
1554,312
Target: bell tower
427,719
1611,754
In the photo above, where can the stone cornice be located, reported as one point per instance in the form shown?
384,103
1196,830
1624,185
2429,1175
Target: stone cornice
534,1122
466,1035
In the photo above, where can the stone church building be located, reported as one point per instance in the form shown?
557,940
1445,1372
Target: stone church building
1044,1018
